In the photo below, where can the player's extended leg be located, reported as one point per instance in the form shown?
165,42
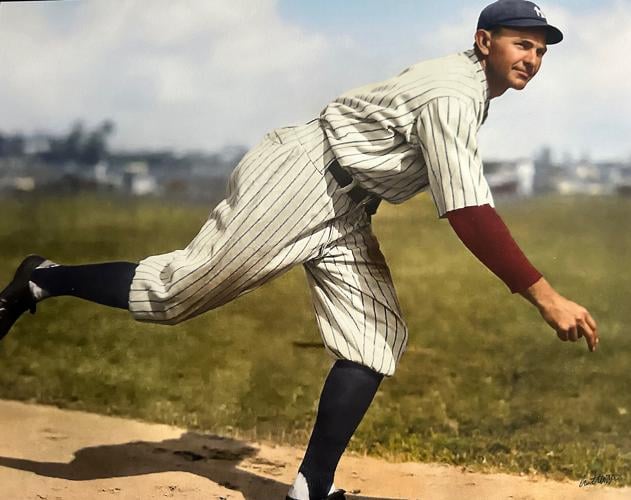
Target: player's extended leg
280,210
37,279
107,284
361,324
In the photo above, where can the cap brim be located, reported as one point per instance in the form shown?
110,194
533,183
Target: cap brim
553,34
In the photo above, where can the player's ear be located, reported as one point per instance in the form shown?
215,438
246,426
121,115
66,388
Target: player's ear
483,41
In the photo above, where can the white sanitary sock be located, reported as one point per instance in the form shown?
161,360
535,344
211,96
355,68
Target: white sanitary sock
37,292
300,490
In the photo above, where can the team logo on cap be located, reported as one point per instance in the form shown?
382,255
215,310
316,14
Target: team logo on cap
539,12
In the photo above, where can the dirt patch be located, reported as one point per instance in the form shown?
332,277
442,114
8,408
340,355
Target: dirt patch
52,454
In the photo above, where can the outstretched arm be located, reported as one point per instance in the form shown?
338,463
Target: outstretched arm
484,233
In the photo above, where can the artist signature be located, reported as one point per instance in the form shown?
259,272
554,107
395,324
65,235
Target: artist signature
599,479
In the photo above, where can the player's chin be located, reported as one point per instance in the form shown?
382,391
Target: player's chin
520,79
519,83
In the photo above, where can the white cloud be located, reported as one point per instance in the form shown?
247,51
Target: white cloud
202,74
184,74
585,88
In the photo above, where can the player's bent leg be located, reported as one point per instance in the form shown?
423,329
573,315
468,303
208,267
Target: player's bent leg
347,393
361,324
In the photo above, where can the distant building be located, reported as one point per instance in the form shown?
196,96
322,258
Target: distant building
36,144
138,181
45,164
510,178
622,180
586,177
80,162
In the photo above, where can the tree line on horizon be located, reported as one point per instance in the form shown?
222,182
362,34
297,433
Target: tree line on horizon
80,145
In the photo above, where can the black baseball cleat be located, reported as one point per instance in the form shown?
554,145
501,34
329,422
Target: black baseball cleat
16,298
336,495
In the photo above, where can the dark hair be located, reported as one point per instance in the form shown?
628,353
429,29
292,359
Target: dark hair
495,31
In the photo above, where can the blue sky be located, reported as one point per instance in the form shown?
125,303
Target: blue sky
203,74
376,22
393,14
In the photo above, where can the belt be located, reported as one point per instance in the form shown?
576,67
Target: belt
349,185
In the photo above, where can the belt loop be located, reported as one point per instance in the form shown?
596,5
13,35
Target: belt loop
349,187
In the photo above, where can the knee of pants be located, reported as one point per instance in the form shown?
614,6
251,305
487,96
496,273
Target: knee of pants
388,366
170,309
378,350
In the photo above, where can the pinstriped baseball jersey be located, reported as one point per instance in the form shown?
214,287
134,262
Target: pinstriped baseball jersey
284,207
414,131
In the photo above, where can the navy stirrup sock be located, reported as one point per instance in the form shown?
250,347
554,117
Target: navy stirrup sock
347,393
106,284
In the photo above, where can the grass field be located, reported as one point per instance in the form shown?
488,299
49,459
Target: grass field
484,383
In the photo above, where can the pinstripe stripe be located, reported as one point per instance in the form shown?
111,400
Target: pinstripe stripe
325,318
436,162
447,163
381,297
458,154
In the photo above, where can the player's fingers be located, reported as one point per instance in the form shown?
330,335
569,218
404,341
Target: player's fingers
591,335
572,333
562,334
594,326
590,321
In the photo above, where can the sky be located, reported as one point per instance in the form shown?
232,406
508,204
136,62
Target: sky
206,74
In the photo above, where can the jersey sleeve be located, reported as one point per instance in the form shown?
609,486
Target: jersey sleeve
447,132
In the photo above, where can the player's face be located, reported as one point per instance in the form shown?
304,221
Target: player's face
514,58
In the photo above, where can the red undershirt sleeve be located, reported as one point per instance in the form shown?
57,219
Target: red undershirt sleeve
484,233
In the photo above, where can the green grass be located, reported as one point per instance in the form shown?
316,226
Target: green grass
484,383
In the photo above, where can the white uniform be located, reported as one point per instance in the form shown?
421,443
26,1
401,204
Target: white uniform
284,207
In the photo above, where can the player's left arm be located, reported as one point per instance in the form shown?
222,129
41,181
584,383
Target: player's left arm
484,233
447,133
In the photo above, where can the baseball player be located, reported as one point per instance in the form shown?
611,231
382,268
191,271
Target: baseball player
306,194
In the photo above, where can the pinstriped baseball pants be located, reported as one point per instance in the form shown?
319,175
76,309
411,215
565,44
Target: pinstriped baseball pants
283,208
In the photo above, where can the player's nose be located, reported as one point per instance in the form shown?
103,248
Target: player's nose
531,58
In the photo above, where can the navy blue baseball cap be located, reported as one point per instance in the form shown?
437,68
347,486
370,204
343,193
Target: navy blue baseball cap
518,14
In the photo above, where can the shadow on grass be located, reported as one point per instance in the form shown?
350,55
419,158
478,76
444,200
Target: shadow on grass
212,457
